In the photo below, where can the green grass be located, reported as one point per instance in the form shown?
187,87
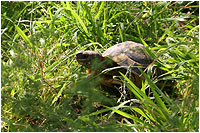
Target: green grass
43,88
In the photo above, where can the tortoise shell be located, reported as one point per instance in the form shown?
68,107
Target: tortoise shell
129,54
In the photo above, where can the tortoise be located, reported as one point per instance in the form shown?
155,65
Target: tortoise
126,55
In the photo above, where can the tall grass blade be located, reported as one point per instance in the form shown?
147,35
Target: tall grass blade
143,114
59,94
22,34
114,16
158,99
100,10
146,101
76,16
136,91
129,116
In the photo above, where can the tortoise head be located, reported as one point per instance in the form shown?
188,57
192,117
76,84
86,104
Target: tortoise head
87,58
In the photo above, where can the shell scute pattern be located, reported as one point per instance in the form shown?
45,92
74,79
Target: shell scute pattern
128,54
121,57
123,54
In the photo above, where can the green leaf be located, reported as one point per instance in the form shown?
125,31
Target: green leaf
121,33
158,99
51,67
59,93
22,34
136,91
143,114
129,116
100,10
116,15
76,16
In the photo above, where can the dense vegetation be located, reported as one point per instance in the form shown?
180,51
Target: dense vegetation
43,88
